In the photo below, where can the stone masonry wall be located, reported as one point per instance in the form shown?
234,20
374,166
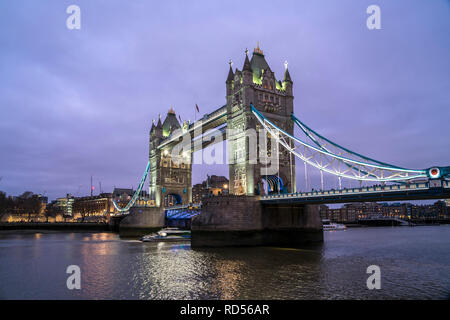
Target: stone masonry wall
229,213
244,221
141,221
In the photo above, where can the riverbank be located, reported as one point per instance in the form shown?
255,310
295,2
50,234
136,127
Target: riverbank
69,226
392,222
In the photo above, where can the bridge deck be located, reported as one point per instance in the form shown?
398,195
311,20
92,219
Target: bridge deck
209,121
417,191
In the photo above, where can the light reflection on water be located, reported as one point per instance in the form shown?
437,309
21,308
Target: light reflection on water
415,264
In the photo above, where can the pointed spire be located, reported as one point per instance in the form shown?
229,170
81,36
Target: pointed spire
171,110
153,125
258,50
230,73
287,76
159,125
247,65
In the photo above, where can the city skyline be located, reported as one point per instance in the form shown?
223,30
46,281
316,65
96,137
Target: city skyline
78,103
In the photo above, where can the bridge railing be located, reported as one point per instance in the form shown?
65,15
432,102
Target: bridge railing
363,190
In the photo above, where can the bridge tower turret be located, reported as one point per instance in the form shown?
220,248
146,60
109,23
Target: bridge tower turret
247,72
170,175
229,81
256,84
156,137
287,85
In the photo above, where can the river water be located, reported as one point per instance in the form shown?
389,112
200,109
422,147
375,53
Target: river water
414,264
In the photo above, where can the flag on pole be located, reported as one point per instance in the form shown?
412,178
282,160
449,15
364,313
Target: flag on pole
196,107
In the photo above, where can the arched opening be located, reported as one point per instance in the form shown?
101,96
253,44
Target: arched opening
273,184
172,199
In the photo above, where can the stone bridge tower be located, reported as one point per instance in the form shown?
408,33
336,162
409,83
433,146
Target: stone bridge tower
256,83
170,179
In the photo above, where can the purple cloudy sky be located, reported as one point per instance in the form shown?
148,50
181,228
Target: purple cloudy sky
80,102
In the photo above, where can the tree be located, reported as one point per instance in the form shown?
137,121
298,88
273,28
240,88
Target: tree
3,204
28,204
7,204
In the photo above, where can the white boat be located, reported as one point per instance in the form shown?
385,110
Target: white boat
168,234
329,226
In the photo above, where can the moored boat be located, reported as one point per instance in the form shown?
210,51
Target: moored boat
168,234
329,226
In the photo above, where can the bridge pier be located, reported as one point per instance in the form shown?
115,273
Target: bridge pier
245,221
141,221
114,223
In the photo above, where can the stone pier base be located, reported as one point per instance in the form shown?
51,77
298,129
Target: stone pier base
141,221
114,223
244,221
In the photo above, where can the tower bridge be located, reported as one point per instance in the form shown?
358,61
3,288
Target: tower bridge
263,206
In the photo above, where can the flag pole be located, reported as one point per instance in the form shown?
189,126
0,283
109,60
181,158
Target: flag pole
196,110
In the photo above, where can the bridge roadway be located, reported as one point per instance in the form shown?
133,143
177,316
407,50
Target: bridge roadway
414,191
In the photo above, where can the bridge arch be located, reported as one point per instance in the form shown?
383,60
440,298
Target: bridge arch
172,199
273,184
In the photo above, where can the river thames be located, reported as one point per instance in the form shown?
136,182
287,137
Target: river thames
414,263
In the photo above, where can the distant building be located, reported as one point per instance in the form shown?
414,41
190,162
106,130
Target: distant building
438,210
355,211
212,186
94,209
122,194
66,205
198,191
60,209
